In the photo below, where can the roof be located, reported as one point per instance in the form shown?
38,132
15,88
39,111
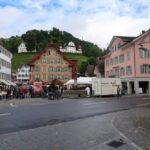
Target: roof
53,46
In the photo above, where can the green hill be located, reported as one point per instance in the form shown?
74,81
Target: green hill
24,58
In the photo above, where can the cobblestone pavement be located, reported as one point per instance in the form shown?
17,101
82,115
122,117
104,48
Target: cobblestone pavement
93,133
131,123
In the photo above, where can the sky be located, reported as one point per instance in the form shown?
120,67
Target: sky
96,21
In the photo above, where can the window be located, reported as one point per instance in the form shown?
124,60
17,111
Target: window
117,72
121,58
128,70
116,60
36,68
36,76
44,68
145,69
43,60
50,69
52,52
50,76
111,72
107,62
128,56
122,71
144,53
111,61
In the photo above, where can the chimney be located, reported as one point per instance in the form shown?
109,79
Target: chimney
143,31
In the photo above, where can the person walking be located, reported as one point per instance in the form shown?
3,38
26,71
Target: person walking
118,90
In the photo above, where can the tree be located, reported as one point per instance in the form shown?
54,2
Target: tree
11,43
82,67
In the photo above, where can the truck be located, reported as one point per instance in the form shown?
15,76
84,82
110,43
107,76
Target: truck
106,86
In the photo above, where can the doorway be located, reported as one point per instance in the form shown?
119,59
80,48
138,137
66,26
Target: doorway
132,90
144,86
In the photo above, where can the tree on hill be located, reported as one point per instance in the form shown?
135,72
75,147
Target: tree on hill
38,39
11,43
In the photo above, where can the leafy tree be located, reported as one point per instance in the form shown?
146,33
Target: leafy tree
82,67
91,60
11,43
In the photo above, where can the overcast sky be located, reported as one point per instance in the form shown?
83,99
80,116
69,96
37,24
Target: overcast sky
93,20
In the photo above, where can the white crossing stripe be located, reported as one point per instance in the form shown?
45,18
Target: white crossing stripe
95,103
5,114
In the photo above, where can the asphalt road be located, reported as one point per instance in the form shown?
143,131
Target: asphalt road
14,117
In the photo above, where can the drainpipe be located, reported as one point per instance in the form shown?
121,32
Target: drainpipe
134,61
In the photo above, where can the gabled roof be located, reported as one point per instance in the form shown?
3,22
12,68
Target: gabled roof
126,39
53,46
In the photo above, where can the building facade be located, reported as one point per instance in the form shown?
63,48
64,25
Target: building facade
129,59
23,73
5,64
51,64
22,48
71,48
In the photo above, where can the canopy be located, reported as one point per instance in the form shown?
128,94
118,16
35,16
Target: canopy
4,82
10,82
80,80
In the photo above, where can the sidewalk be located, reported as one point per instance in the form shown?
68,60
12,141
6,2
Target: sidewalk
135,124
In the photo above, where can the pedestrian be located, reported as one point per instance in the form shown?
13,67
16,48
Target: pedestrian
118,90
87,91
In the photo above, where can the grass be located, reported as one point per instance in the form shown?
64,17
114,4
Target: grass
19,59
24,58
79,57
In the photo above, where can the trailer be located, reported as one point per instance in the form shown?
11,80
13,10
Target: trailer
105,86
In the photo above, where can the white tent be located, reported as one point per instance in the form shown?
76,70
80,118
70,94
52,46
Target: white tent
81,81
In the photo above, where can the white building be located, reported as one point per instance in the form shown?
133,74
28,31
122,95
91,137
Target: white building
71,48
5,64
23,73
22,48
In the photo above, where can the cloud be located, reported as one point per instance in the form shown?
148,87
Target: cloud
93,20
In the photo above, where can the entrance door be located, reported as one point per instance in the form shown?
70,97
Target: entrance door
132,90
144,86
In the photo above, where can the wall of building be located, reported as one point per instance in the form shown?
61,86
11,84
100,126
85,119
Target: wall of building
51,65
138,81
140,61
128,54
5,64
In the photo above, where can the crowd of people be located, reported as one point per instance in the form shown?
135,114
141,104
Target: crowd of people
20,92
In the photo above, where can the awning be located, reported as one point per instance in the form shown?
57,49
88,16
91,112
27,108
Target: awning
4,82
10,82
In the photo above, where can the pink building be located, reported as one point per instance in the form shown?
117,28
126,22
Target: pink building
129,59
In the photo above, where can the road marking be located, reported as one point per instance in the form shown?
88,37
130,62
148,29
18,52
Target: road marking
95,103
145,104
5,114
12,105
